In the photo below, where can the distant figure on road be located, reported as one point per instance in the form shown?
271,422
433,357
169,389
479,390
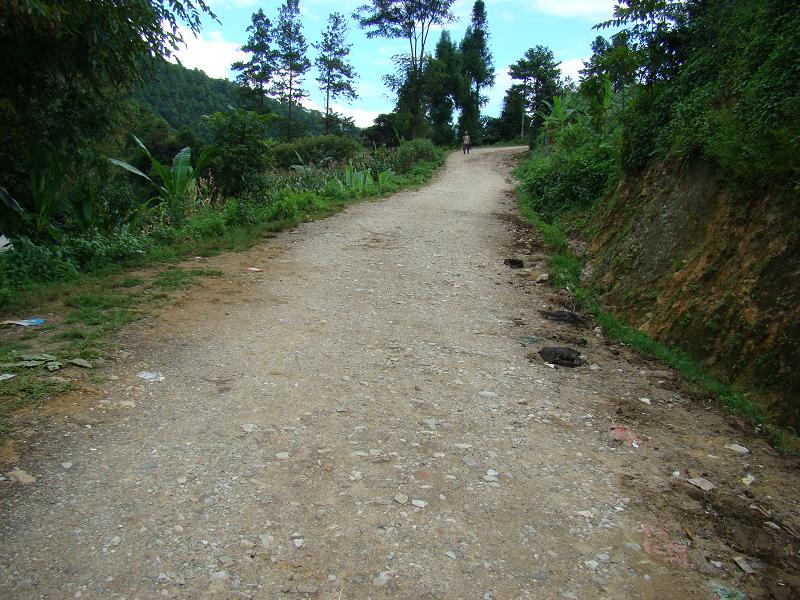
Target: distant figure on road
466,143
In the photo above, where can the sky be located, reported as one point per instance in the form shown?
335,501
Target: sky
565,26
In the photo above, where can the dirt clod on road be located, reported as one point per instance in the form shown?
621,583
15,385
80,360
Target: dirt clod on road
359,420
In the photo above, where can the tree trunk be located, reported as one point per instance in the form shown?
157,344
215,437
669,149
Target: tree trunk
477,111
291,101
328,107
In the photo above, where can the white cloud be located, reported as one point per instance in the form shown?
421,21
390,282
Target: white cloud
587,9
361,117
210,52
235,3
570,67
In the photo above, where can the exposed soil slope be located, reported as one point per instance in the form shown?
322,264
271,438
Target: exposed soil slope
361,420
718,275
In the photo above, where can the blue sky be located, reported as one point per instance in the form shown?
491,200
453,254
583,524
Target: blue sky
514,26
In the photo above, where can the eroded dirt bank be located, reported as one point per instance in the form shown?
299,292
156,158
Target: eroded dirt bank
360,420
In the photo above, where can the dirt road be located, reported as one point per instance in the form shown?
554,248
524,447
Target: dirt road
360,420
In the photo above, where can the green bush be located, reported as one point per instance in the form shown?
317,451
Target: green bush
29,262
560,181
413,151
243,149
316,151
97,249
206,224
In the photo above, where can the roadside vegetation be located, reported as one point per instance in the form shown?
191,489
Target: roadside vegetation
677,82
87,279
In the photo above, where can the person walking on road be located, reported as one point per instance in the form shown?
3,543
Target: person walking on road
466,143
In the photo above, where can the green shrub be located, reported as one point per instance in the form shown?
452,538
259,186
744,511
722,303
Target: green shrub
243,149
561,181
413,151
97,249
206,224
316,151
29,262
283,208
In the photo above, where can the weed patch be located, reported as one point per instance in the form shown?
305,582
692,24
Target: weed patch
174,278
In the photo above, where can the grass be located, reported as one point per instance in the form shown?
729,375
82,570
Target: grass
94,311
565,273
26,390
173,278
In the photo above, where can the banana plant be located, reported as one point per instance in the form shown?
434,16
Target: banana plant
175,182
558,117
354,179
47,202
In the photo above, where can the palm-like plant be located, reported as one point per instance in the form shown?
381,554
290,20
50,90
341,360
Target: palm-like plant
175,182
558,116
49,199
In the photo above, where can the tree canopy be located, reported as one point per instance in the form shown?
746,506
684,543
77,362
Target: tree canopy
411,20
66,63
540,77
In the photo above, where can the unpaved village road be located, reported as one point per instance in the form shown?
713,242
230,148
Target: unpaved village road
359,420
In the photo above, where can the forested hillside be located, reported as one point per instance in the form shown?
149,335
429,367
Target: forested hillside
182,96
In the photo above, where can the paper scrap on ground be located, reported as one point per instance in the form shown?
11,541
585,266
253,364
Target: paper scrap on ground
150,376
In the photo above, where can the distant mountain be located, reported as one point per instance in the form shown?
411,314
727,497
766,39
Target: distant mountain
182,96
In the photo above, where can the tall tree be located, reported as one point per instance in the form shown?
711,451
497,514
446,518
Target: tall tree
410,20
540,79
336,74
478,67
658,31
291,60
615,60
256,74
445,88
512,113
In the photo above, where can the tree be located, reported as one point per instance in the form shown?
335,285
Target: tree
659,33
335,73
383,131
410,20
616,60
513,113
66,66
478,67
444,88
538,71
257,72
291,60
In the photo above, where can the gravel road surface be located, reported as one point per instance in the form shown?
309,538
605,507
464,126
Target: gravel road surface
361,420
